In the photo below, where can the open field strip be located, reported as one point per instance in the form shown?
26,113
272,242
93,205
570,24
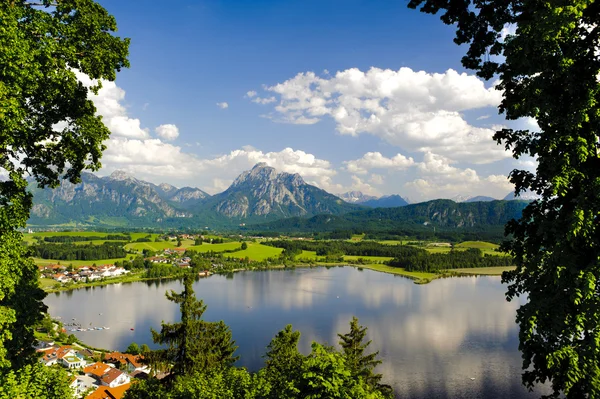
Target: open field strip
419,277
307,256
372,259
157,246
257,252
487,271
226,246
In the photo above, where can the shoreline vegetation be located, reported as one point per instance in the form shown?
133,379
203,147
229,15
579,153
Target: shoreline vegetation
50,286
151,257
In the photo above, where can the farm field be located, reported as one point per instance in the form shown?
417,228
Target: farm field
488,271
257,252
157,246
226,246
420,277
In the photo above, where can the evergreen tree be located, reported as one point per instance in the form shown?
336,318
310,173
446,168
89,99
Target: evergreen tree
193,345
283,364
353,348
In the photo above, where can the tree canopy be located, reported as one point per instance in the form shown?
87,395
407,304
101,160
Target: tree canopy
48,130
548,70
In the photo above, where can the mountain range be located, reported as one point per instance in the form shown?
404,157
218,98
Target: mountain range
257,197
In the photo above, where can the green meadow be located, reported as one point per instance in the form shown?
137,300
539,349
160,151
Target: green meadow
257,252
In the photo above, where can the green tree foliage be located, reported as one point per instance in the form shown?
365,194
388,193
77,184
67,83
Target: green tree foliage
193,344
360,364
35,381
105,250
549,70
133,349
283,364
71,339
432,262
144,349
229,383
41,48
325,374
244,246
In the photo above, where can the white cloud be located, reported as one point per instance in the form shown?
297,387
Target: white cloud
223,105
439,179
482,117
251,94
108,103
376,179
265,100
372,160
359,185
168,131
417,111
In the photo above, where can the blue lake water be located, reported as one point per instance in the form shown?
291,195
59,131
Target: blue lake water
452,338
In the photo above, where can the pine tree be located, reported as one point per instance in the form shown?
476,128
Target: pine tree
283,363
353,348
192,344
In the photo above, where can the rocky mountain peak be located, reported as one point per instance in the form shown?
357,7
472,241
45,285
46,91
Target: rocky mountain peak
120,175
356,197
166,187
262,173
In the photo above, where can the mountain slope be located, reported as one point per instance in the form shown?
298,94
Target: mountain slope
118,199
444,215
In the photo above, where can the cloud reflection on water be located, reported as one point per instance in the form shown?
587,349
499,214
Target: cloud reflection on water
433,338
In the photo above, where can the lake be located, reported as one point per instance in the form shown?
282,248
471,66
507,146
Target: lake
451,338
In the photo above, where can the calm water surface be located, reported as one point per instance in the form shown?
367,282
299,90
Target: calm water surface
433,339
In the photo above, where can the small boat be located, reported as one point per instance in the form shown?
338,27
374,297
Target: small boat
98,328
132,329
106,328
90,329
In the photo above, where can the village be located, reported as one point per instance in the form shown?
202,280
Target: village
94,375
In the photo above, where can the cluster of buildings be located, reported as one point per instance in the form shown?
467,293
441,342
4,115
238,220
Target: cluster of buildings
172,256
84,273
109,378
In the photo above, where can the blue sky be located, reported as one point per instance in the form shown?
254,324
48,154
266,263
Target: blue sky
313,87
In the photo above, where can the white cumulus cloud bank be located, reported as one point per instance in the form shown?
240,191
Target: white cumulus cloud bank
223,105
167,132
374,160
414,110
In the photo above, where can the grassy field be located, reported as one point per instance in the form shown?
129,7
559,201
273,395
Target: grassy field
357,237
368,258
419,277
257,252
488,271
226,246
157,246
46,283
307,255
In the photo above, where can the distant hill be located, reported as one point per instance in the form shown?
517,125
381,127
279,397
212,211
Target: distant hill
481,198
388,201
443,215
